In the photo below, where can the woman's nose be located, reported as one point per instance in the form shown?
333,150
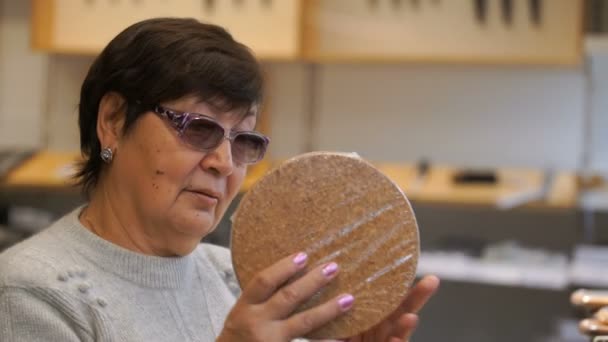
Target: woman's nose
220,159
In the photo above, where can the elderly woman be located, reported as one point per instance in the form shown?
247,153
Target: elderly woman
167,116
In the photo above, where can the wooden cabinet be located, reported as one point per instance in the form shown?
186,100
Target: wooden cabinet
469,31
443,31
270,28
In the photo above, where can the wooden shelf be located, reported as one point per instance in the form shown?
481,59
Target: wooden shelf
46,169
515,187
335,31
53,170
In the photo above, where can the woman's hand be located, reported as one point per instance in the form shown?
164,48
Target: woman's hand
400,325
264,310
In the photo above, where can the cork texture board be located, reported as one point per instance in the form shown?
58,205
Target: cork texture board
336,207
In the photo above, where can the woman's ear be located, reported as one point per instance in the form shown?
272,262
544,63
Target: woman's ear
110,119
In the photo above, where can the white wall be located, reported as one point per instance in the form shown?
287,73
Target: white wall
22,79
65,76
287,103
474,115
457,114
598,106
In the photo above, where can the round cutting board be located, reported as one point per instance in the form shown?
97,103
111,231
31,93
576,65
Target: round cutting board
336,207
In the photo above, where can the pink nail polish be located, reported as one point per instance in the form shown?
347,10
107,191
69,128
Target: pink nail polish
330,269
300,259
346,302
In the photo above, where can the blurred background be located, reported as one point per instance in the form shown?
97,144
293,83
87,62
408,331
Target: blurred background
490,114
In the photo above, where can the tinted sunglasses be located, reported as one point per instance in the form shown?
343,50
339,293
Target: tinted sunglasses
204,133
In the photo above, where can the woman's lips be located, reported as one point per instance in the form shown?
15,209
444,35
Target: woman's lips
204,199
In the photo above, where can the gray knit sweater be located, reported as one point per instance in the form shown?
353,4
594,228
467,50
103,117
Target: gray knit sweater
67,284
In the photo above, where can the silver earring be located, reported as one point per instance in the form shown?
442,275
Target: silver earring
106,155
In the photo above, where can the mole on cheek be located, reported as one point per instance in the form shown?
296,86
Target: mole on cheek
155,186
159,172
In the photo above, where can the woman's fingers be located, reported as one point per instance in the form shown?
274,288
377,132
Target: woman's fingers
406,325
289,297
304,322
266,282
420,294
271,291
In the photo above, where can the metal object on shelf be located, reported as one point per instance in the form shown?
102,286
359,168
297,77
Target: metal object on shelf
481,10
396,4
507,11
208,5
535,8
476,176
596,14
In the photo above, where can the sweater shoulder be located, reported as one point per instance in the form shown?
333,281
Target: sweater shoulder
39,261
219,256
220,259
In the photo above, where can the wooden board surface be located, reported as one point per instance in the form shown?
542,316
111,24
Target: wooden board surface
338,208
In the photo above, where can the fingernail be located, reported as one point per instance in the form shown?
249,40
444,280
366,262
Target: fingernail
330,269
300,259
346,302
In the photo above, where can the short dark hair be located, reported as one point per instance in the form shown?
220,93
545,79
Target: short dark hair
164,59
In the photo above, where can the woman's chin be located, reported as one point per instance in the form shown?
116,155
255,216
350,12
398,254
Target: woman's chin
198,224
182,248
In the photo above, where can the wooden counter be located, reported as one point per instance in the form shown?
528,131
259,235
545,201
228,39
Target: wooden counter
45,170
52,170
516,187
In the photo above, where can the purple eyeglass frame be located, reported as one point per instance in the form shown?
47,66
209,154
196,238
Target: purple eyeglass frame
180,120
